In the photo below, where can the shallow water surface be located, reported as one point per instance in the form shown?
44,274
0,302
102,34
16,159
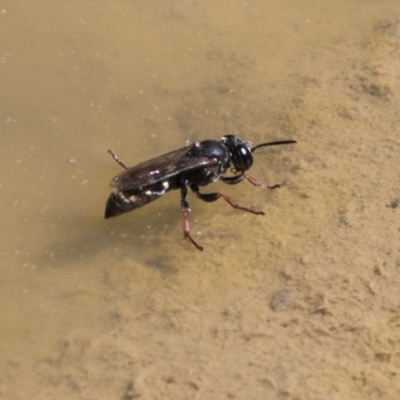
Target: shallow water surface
302,303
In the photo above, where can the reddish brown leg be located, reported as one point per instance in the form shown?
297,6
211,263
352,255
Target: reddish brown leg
185,216
115,157
186,230
255,182
209,197
235,205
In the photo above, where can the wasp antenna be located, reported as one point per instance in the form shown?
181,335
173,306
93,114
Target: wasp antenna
278,142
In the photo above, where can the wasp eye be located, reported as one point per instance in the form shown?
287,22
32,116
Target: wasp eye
242,157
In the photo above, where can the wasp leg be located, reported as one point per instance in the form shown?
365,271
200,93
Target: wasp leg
255,182
185,217
115,157
233,180
209,197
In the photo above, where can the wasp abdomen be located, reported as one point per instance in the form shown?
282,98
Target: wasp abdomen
121,202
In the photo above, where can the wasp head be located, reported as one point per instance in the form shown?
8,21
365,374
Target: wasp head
242,158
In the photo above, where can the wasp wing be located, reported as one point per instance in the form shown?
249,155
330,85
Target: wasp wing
159,169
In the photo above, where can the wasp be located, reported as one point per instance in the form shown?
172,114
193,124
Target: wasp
190,167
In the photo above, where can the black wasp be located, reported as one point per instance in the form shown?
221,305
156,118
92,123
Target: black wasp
197,164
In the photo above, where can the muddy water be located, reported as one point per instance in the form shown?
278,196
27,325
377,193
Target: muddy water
300,304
